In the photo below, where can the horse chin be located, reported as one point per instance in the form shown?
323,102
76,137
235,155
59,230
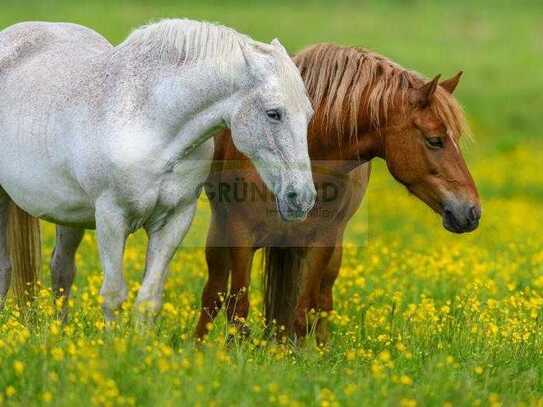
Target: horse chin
451,227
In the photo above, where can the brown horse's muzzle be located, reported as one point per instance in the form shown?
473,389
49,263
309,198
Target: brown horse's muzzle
461,217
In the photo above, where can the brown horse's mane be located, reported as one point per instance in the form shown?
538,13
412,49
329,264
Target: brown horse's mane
347,84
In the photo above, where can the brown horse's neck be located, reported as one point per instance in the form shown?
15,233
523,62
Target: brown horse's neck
364,148
345,149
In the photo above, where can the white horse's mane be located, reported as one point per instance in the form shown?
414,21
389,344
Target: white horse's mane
185,41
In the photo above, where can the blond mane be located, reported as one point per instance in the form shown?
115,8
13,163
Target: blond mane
346,83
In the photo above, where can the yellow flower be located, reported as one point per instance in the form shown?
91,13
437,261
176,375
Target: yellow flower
169,308
360,282
54,329
57,354
19,367
384,356
47,397
408,403
10,391
404,379
377,370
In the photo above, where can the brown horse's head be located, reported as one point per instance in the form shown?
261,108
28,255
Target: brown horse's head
422,152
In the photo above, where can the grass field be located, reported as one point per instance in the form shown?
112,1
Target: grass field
422,317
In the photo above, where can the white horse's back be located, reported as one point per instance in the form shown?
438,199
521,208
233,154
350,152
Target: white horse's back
20,42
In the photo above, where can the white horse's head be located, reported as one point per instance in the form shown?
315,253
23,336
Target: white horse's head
270,125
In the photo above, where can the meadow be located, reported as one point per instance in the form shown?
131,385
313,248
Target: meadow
423,317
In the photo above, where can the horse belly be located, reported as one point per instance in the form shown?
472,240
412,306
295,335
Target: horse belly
35,174
56,202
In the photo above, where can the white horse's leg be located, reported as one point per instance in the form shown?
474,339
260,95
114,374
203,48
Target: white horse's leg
63,261
5,264
162,245
111,234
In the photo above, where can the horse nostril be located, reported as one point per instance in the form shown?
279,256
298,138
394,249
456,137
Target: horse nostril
292,197
473,214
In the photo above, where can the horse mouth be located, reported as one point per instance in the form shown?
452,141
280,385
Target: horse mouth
292,215
289,213
456,219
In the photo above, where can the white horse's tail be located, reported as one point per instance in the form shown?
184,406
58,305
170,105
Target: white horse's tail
24,244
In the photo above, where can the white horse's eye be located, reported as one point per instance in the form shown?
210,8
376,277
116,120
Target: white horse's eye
274,115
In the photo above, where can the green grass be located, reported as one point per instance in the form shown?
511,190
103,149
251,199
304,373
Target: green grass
422,315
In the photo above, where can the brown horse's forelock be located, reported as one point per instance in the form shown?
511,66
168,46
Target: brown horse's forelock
346,84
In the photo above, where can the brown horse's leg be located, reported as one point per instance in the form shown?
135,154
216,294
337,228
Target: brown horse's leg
317,259
326,294
218,264
238,301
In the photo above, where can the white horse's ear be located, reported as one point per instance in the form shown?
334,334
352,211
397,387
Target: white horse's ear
254,58
248,56
277,45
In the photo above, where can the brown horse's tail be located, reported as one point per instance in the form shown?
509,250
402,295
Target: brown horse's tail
282,274
25,252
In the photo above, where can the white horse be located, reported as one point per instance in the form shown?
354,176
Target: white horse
118,138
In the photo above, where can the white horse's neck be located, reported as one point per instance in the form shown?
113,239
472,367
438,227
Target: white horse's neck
184,67
183,92
185,103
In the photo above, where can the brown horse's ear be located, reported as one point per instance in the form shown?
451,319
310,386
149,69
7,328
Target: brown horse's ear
450,84
422,96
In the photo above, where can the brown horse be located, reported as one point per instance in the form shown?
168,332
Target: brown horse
366,106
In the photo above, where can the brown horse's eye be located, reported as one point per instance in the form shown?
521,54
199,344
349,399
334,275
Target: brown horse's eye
434,142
